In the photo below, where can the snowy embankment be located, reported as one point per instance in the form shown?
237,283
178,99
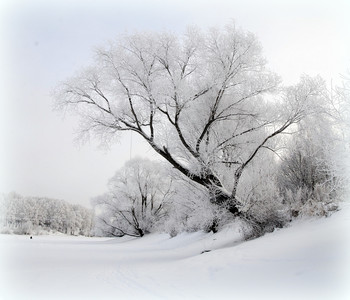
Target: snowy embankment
308,260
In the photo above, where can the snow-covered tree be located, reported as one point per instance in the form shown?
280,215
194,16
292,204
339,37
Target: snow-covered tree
135,201
204,101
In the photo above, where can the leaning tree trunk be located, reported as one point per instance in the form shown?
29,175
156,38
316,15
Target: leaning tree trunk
225,201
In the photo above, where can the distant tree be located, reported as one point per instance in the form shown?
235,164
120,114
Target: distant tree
135,201
205,102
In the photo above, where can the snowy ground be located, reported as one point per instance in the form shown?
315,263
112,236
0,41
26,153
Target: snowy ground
308,260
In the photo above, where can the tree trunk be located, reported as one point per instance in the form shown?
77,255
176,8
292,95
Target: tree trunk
224,201
140,232
210,181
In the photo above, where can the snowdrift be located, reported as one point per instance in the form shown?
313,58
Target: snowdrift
308,260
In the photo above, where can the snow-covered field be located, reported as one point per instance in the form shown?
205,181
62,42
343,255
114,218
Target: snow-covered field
308,260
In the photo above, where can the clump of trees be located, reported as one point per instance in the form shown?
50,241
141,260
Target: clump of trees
33,215
238,141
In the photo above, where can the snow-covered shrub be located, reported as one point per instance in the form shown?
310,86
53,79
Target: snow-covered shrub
190,215
25,228
260,199
295,200
320,204
309,176
190,209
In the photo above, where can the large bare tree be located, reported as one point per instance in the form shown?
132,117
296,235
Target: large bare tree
204,101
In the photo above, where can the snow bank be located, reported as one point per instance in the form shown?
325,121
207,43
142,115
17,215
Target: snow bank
308,260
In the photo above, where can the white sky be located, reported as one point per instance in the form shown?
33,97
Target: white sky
44,42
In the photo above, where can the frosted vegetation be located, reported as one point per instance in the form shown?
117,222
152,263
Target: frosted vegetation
33,215
234,143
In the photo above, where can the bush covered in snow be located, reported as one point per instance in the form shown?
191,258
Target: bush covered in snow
191,210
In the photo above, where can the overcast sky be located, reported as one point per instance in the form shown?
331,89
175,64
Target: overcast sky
44,42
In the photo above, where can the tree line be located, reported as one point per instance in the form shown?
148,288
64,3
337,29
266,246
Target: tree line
36,215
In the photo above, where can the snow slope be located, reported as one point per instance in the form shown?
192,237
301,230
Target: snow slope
308,260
